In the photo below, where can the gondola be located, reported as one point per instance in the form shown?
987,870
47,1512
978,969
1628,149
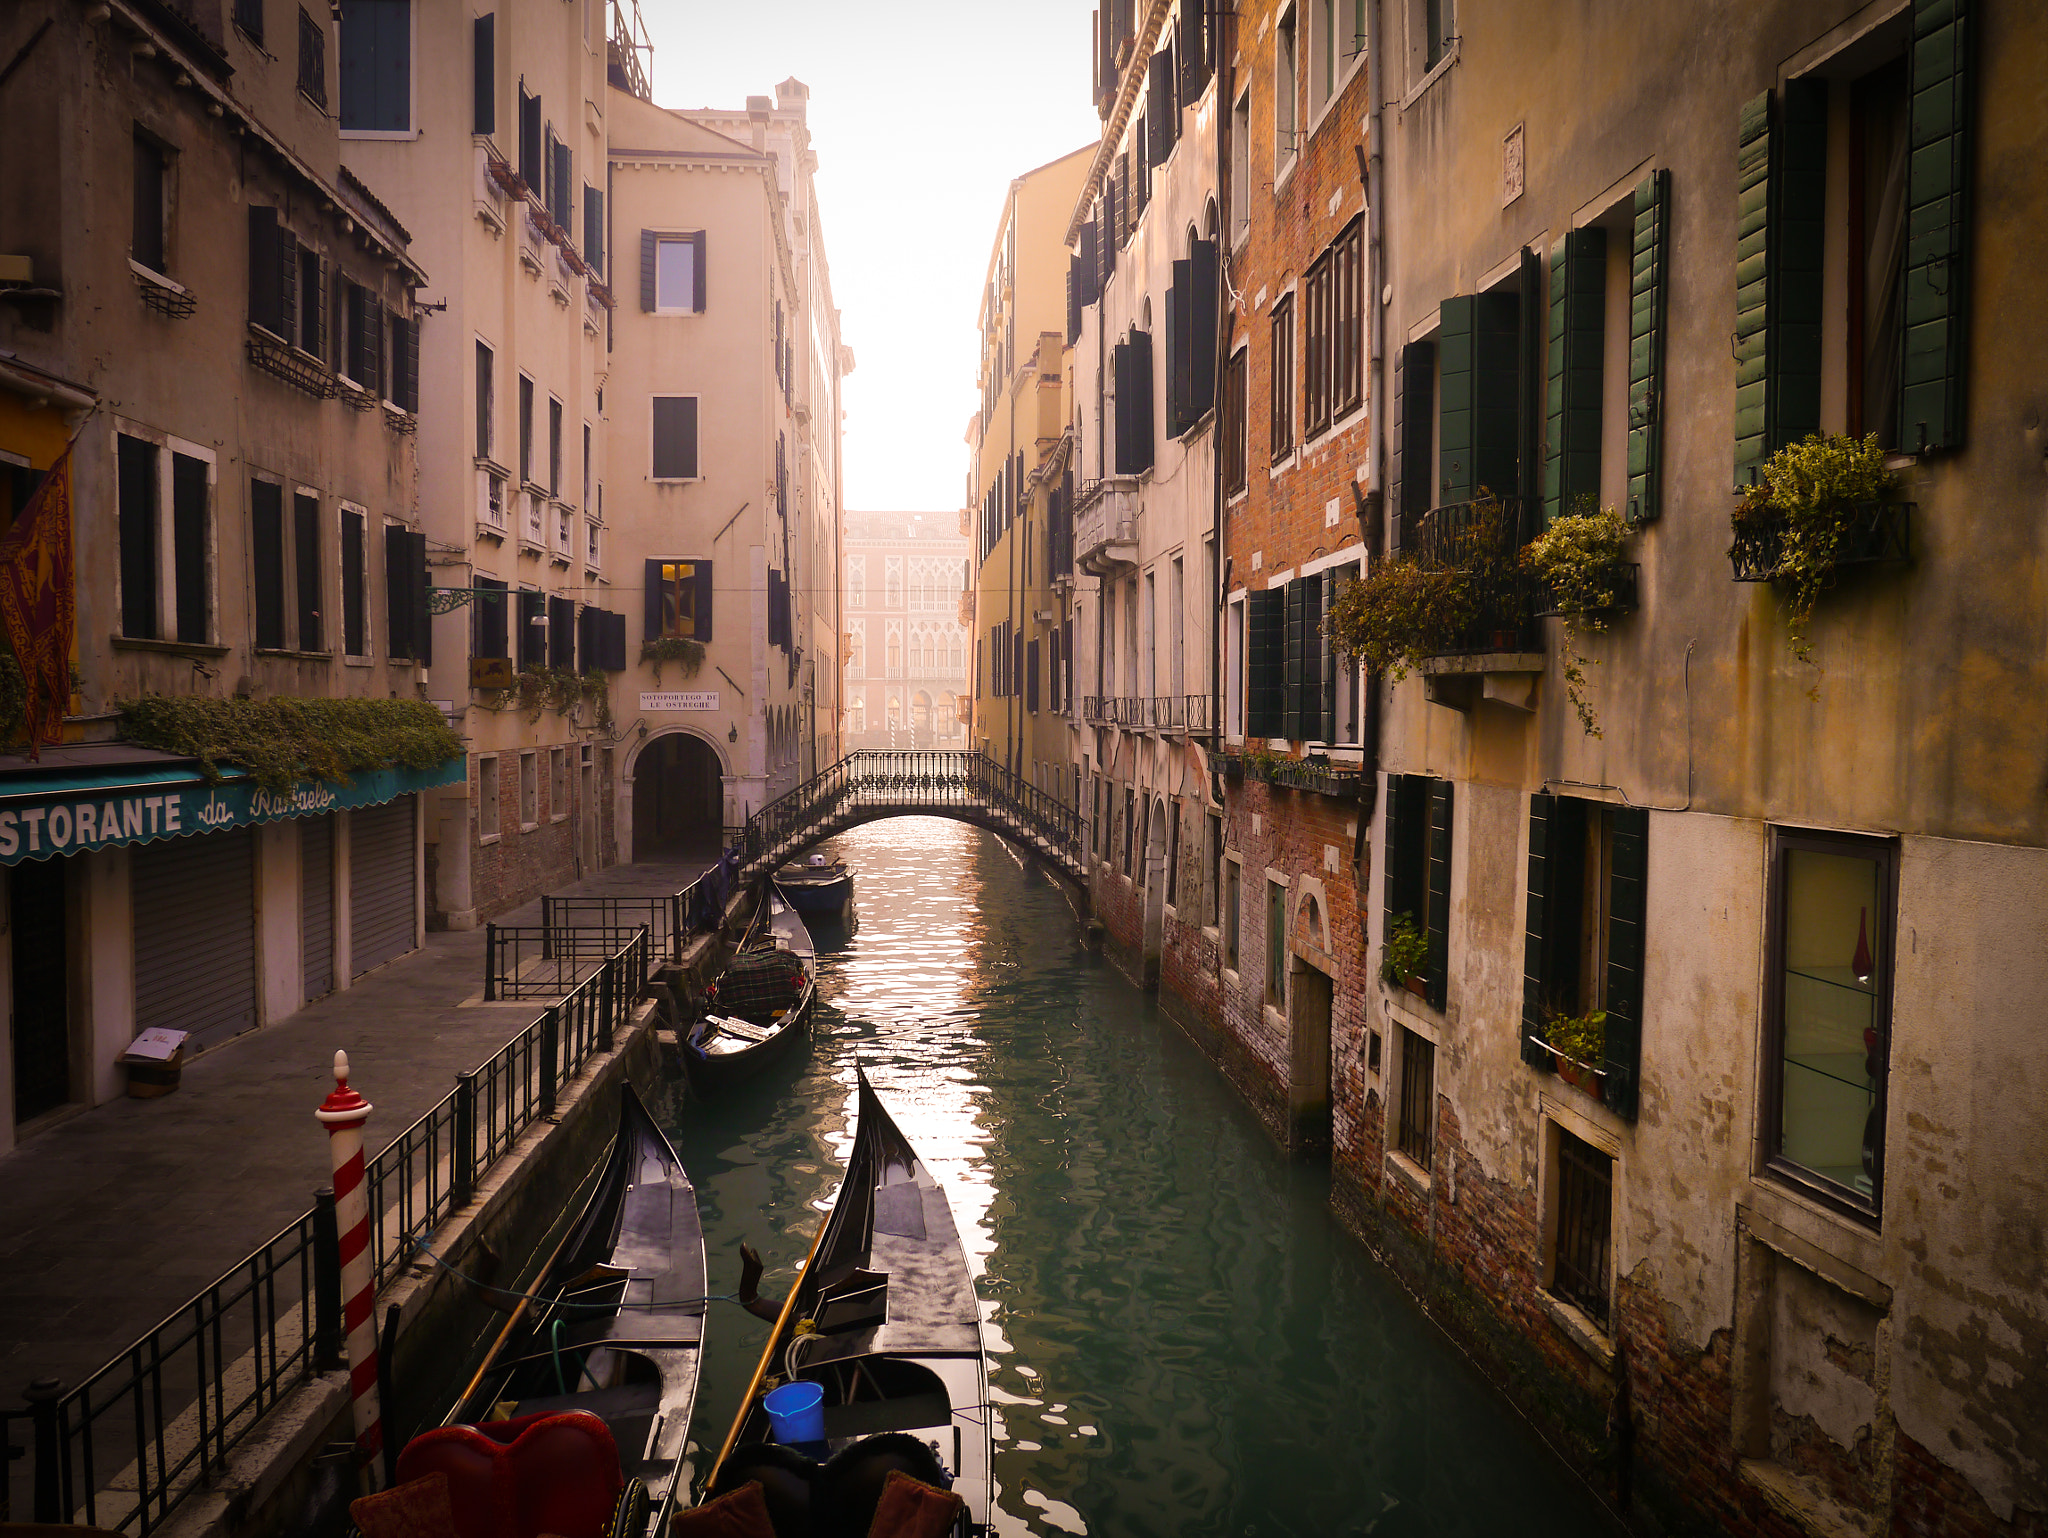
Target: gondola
884,1320
822,887
577,1420
758,1007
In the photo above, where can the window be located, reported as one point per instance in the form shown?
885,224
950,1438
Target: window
1282,406
1276,943
560,168
1241,168
554,447
362,359
1236,387
586,475
486,400
531,617
1212,869
1438,18
1587,865
249,17
1309,672
675,438
857,582
1130,825
487,803
266,546
484,74
312,303
1233,881
1418,869
672,273
531,169
558,784
1413,1132
529,792
408,628
894,649
488,619
312,60
1265,662
159,512
679,600
1333,375
306,556
404,373
1584,1179
1828,1015
525,431
1286,91
593,228
355,577
376,66
149,240
1131,364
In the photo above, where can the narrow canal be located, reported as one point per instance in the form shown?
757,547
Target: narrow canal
1182,1339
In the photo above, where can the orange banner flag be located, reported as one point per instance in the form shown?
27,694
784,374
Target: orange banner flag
38,603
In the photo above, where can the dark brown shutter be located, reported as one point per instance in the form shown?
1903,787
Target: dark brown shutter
422,608
1180,352
397,594
1629,839
266,539
266,302
531,168
1414,468
309,570
1937,281
191,535
562,633
1406,825
483,32
1198,305
647,258
488,619
697,271
652,630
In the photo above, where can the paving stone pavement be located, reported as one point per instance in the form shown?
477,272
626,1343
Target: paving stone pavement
113,1218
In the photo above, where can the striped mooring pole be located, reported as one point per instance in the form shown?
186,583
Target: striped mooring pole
343,1114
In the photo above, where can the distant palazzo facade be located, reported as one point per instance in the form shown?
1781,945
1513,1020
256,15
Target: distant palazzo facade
904,649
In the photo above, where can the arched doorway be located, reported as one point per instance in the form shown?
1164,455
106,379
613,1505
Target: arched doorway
1155,888
678,800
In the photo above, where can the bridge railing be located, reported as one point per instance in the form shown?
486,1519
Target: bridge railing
944,781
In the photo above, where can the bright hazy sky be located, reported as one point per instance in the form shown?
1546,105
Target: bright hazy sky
921,113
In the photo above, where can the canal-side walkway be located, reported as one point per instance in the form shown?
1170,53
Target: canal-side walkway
118,1215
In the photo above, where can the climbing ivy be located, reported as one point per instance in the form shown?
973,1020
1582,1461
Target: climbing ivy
283,740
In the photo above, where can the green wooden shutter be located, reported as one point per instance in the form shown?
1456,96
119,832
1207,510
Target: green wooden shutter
1312,672
1937,227
1480,348
1438,878
1646,293
1407,815
1752,287
1266,661
1415,470
1453,478
1291,694
1629,835
1798,236
1578,305
1327,664
1535,945
1531,318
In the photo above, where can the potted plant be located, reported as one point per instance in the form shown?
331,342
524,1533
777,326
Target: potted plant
1578,559
683,651
1818,505
1579,1043
1405,956
1400,613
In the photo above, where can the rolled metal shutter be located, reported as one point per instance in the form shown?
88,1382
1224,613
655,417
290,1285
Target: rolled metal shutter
380,900
316,904
195,935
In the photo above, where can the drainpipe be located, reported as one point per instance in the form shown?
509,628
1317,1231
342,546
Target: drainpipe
1372,507
1219,67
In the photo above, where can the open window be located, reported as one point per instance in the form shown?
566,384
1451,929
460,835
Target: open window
1418,871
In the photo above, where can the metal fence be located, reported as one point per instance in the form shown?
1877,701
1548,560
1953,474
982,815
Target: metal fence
534,963
121,1449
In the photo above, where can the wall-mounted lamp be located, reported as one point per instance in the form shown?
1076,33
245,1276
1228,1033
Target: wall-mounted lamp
733,732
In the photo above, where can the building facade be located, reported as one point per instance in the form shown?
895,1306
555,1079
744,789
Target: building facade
208,343
905,648
1020,485
725,408
487,134
1143,238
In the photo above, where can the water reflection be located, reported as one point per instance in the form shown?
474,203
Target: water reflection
1181,1339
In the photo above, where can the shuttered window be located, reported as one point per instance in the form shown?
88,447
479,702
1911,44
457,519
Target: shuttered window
1162,106
1414,471
266,542
376,66
1236,423
1315,347
1583,941
532,168
136,465
1347,320
1280,411
1031,676
488,618
533,637
1937,227
405,593
1646,297
1133,374
273,256
1265,662
405,363
484,74
672,273
1191,338
675,438
679,597
1480,351
593,228
1781,185
309,572
355,577
1572,397
1418,868
1302,699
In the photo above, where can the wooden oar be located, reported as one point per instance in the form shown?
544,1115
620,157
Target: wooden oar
768,1356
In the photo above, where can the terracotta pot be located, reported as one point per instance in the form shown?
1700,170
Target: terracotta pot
1580,1077
1419,986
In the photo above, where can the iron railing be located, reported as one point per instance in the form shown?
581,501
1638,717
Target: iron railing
879,782
123,1448
1481,539
1873,532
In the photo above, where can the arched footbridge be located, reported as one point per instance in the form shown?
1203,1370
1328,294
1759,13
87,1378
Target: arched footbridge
876,783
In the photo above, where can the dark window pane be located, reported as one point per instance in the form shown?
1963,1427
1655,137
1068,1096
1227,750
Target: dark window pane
138,496
675,437
376,66
312,59
147,244
266,538
189,541
352,583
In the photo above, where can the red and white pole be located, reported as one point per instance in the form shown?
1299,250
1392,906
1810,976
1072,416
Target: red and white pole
343,1114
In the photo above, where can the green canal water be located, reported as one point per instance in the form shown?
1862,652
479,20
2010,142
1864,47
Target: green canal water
1182,1340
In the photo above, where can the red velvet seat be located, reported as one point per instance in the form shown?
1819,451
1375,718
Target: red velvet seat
556,1472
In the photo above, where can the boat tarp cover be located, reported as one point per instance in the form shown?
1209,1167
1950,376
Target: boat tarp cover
758,983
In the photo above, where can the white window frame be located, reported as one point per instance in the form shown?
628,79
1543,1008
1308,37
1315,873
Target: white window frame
529,791
1325,15
1287,130
695,239
558,784
489,802
485,451
341,512
412,85
166,536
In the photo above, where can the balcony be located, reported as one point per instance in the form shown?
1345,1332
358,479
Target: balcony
1106,526
1178,714
490,501
533,525
1498,653
1873,533
561,533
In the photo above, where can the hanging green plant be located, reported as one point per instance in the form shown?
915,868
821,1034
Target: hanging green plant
1581,1038
1400,613
1579,559
281,741
681,650
1793,526
1406,952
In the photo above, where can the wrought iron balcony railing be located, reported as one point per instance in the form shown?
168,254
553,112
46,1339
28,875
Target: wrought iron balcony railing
1876,532
1481,539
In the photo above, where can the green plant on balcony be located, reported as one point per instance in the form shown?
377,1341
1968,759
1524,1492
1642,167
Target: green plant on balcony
1426,603
1406,952
281,741
1793,526
1580,1039
1579,559
681,650
1259,763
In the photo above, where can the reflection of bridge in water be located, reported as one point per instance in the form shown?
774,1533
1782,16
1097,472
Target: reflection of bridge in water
871,784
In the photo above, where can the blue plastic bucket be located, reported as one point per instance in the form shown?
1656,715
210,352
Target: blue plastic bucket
796,1412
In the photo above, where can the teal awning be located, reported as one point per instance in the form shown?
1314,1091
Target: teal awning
75,808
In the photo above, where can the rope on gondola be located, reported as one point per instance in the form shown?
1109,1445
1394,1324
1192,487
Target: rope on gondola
513,1295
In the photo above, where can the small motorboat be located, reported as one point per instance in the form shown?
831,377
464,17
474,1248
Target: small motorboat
576,1422
883,1320
820,886
758,1007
